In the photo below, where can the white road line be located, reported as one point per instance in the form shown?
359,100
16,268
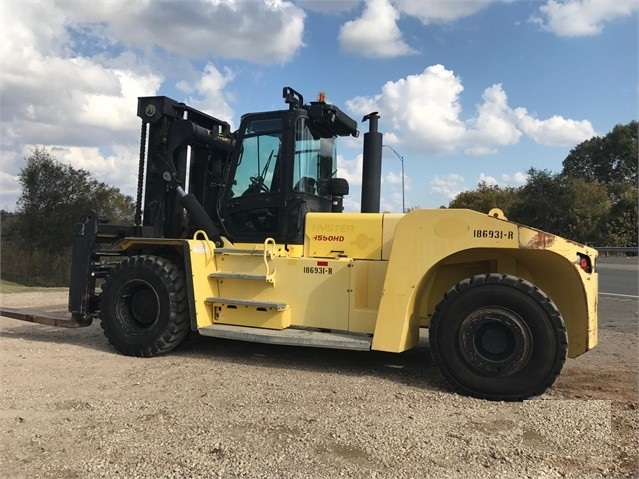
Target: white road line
620,295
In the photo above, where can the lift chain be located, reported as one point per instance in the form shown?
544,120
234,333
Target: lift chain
138,203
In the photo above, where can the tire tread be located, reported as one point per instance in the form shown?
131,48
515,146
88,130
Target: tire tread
179,322
529,289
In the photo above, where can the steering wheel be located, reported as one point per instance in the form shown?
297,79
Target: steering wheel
306,184
257,185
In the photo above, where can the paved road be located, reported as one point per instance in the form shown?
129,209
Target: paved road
618,275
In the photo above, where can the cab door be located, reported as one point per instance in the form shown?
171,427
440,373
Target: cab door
253,202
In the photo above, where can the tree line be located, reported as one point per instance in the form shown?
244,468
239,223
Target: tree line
592,200
36,238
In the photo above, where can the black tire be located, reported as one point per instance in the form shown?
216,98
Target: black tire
498,337
144,306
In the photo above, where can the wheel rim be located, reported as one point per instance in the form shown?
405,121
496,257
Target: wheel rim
137,307
495,341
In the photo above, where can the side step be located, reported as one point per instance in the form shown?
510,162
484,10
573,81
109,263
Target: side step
291,337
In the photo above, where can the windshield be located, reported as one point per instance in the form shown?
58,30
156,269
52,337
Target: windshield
315,160
256,168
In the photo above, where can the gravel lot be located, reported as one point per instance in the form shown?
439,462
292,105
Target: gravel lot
71,407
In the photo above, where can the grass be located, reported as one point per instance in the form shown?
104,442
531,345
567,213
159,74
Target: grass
9,287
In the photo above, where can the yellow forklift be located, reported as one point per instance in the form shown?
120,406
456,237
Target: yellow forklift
242,235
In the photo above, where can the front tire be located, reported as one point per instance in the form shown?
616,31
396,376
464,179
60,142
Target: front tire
498,337
144,306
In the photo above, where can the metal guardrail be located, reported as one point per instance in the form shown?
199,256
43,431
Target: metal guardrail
618,249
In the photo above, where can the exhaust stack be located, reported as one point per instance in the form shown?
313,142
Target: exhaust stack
372,169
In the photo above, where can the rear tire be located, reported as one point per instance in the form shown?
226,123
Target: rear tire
498,337
144,306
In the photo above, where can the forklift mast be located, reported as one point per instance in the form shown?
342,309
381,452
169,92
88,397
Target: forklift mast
253,183
181,141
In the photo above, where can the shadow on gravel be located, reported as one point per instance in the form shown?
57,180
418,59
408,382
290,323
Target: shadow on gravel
413,368
90,337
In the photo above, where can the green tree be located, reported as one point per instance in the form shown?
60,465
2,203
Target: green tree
8,222
540,202
611,160
36,239
54,196
485,198
571,207
587,206
621,222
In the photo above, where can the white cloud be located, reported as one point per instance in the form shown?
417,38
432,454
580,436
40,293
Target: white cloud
350,170
70,101
489,180
516,179
391,203
328,6
209,89
554,131
493,124
267,31
480,151
433,11
52,95
362,105
352,203
9,190
575,18
114,168
393,178
375,33
423,112
447,185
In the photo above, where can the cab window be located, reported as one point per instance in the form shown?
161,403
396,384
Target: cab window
256,169
315,160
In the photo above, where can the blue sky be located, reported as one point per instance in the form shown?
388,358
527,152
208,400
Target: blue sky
467,90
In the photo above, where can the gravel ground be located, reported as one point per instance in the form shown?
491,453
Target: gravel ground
71,407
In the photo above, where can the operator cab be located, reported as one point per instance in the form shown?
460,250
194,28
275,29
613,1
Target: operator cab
283,168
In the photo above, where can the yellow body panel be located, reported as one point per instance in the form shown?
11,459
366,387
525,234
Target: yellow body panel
367,283
383,274
434,249
243,315
351,235
315,291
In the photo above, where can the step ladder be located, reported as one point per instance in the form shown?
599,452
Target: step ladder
230,306
267,254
